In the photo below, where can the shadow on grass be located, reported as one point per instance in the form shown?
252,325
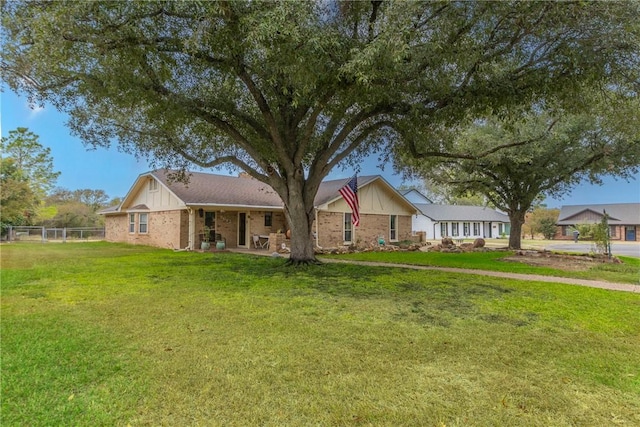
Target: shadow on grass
423,297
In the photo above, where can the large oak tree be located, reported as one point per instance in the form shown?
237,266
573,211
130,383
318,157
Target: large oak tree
543,154
288,90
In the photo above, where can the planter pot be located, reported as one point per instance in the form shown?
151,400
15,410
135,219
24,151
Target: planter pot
205,246
220,245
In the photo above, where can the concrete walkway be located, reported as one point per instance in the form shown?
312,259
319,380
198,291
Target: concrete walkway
625,287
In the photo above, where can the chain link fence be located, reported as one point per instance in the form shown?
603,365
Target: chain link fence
45,234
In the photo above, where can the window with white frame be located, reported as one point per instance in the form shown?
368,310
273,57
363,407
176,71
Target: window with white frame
348,230
454,229
443,229
153,185
132,223
144,222
466,227
476,228
393,227
268,219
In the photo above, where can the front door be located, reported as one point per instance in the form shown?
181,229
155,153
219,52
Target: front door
630,234
242,229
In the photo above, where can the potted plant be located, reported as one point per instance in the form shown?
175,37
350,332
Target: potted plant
205,244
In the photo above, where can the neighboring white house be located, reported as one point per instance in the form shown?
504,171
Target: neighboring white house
419,223
414,196
458,222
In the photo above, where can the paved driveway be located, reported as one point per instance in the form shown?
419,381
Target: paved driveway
617,248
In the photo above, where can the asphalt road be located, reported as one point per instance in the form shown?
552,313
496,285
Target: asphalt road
617,248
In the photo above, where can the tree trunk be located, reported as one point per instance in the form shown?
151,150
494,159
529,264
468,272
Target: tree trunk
299,212
302,246
515,237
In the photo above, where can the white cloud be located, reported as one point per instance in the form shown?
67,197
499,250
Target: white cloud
34,110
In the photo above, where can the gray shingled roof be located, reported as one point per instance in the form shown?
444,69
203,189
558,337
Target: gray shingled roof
228,190
244,191
619,213
221,190
461,213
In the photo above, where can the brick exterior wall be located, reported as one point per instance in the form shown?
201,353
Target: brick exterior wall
331,227
404,229
256,223
164,229
618,232
170,229
116,228
227,227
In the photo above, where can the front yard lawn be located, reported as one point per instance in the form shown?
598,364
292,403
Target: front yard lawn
105,334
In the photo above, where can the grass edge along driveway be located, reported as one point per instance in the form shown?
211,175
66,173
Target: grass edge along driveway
627,272
103,334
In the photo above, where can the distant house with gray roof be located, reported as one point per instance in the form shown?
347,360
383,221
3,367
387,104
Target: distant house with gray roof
236,209
459,222
624,219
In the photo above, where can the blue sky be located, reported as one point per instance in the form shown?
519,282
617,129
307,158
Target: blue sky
114,172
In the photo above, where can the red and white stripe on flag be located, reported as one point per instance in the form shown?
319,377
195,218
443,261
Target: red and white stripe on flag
350,194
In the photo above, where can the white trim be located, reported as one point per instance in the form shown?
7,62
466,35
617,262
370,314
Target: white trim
192,228
344,228
129,223
394,239
247,234
145,223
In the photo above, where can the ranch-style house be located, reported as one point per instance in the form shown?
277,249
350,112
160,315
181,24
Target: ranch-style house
243,212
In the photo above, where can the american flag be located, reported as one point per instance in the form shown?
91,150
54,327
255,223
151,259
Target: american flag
350,194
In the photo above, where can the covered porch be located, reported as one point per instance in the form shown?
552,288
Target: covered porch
234,227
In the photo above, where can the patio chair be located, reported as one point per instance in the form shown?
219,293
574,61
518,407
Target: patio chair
256,241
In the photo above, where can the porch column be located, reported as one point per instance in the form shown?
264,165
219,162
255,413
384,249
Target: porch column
192,228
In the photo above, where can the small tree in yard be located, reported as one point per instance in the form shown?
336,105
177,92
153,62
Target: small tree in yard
586,230
286,91
601,235
541,221
547,227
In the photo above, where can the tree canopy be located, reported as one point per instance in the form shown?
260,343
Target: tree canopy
77,208
286,91
543,154
31,159
17,201
26,175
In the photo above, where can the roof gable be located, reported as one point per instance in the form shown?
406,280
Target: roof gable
415,197
619,213
328,194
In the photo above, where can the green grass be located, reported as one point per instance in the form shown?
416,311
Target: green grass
103,334
627,272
